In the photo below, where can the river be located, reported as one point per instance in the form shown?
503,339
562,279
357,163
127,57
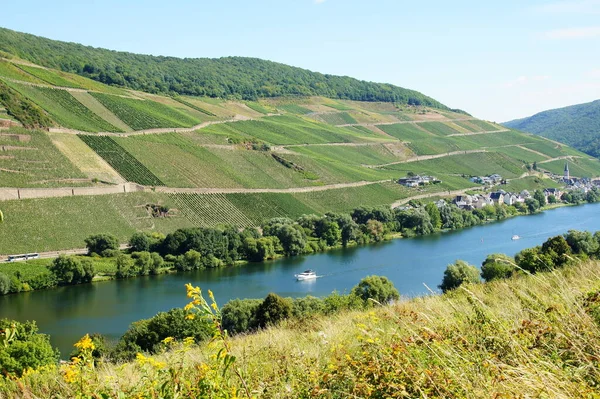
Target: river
67,313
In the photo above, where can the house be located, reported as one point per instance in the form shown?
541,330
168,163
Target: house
497,197
415,181
482,201
510,199
463,201
552,191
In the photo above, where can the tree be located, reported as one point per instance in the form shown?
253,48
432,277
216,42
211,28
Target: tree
375,288
22,347
497,266
374,229
552,199
328,230
124,267
101,244
534,260
540,197
239,315
291,237
532,204
557,249
272,310
458,273
70,270
434,215
4,284
191,260
139,242
581,242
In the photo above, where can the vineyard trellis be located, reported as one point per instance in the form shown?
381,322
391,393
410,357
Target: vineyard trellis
122,161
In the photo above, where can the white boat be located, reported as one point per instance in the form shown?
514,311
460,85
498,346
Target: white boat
516,237
306,275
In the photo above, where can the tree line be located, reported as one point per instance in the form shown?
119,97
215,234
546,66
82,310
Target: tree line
227,77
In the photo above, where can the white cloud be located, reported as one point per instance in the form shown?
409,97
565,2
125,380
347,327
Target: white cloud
594,73
573,33
522,80
572,6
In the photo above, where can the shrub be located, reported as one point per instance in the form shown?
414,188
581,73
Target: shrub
272,310
497,266
4,284
139,242
458,273
239,315
22,347
70,270
375,288
99,243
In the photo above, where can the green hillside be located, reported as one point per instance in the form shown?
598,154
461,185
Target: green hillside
248,78
577,126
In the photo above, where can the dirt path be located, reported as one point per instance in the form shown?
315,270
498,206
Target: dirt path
559,158
476,133
425,157
398,122
7,194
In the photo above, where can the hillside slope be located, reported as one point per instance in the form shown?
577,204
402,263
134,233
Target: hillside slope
576,125
228,77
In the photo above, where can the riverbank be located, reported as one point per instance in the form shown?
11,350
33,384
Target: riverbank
470,343
30,274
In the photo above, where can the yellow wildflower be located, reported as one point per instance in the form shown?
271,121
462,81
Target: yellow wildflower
210,294
187,341
85,343
190,317
168,340
213,305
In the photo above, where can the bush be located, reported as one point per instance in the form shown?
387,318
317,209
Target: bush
22,347
272,310
99,243
375,288
147,335
139,242
4,284
497,266
458,273
239,315
69,270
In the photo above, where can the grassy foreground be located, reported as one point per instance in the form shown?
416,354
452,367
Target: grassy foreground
532,336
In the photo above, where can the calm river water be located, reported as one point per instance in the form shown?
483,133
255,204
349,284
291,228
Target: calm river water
68,313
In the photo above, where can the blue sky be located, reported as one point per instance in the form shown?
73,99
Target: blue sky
498,61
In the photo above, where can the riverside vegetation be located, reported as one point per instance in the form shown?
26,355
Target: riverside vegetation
198,248
534,331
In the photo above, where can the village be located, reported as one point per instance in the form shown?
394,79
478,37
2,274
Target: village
495,197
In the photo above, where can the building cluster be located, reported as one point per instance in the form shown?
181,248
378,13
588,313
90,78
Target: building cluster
489,180
478,201
416,181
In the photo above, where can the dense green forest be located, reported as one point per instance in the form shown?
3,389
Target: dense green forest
577,126
228,77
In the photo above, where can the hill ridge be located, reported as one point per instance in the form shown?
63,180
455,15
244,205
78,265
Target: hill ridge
242,77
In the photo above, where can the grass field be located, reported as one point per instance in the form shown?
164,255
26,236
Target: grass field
145,114
179,162
29,159
84,158
259,107
520,154
65,109
121,160
467,125
209,210
529,183
406,131
295,109
484,126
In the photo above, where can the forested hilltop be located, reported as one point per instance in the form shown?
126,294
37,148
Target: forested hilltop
228,77
577,126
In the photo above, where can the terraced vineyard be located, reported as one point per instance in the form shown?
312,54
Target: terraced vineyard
340,118
8,70
406,131
65,109
123,162
145,114
577,167
29,159
206,210
438,128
